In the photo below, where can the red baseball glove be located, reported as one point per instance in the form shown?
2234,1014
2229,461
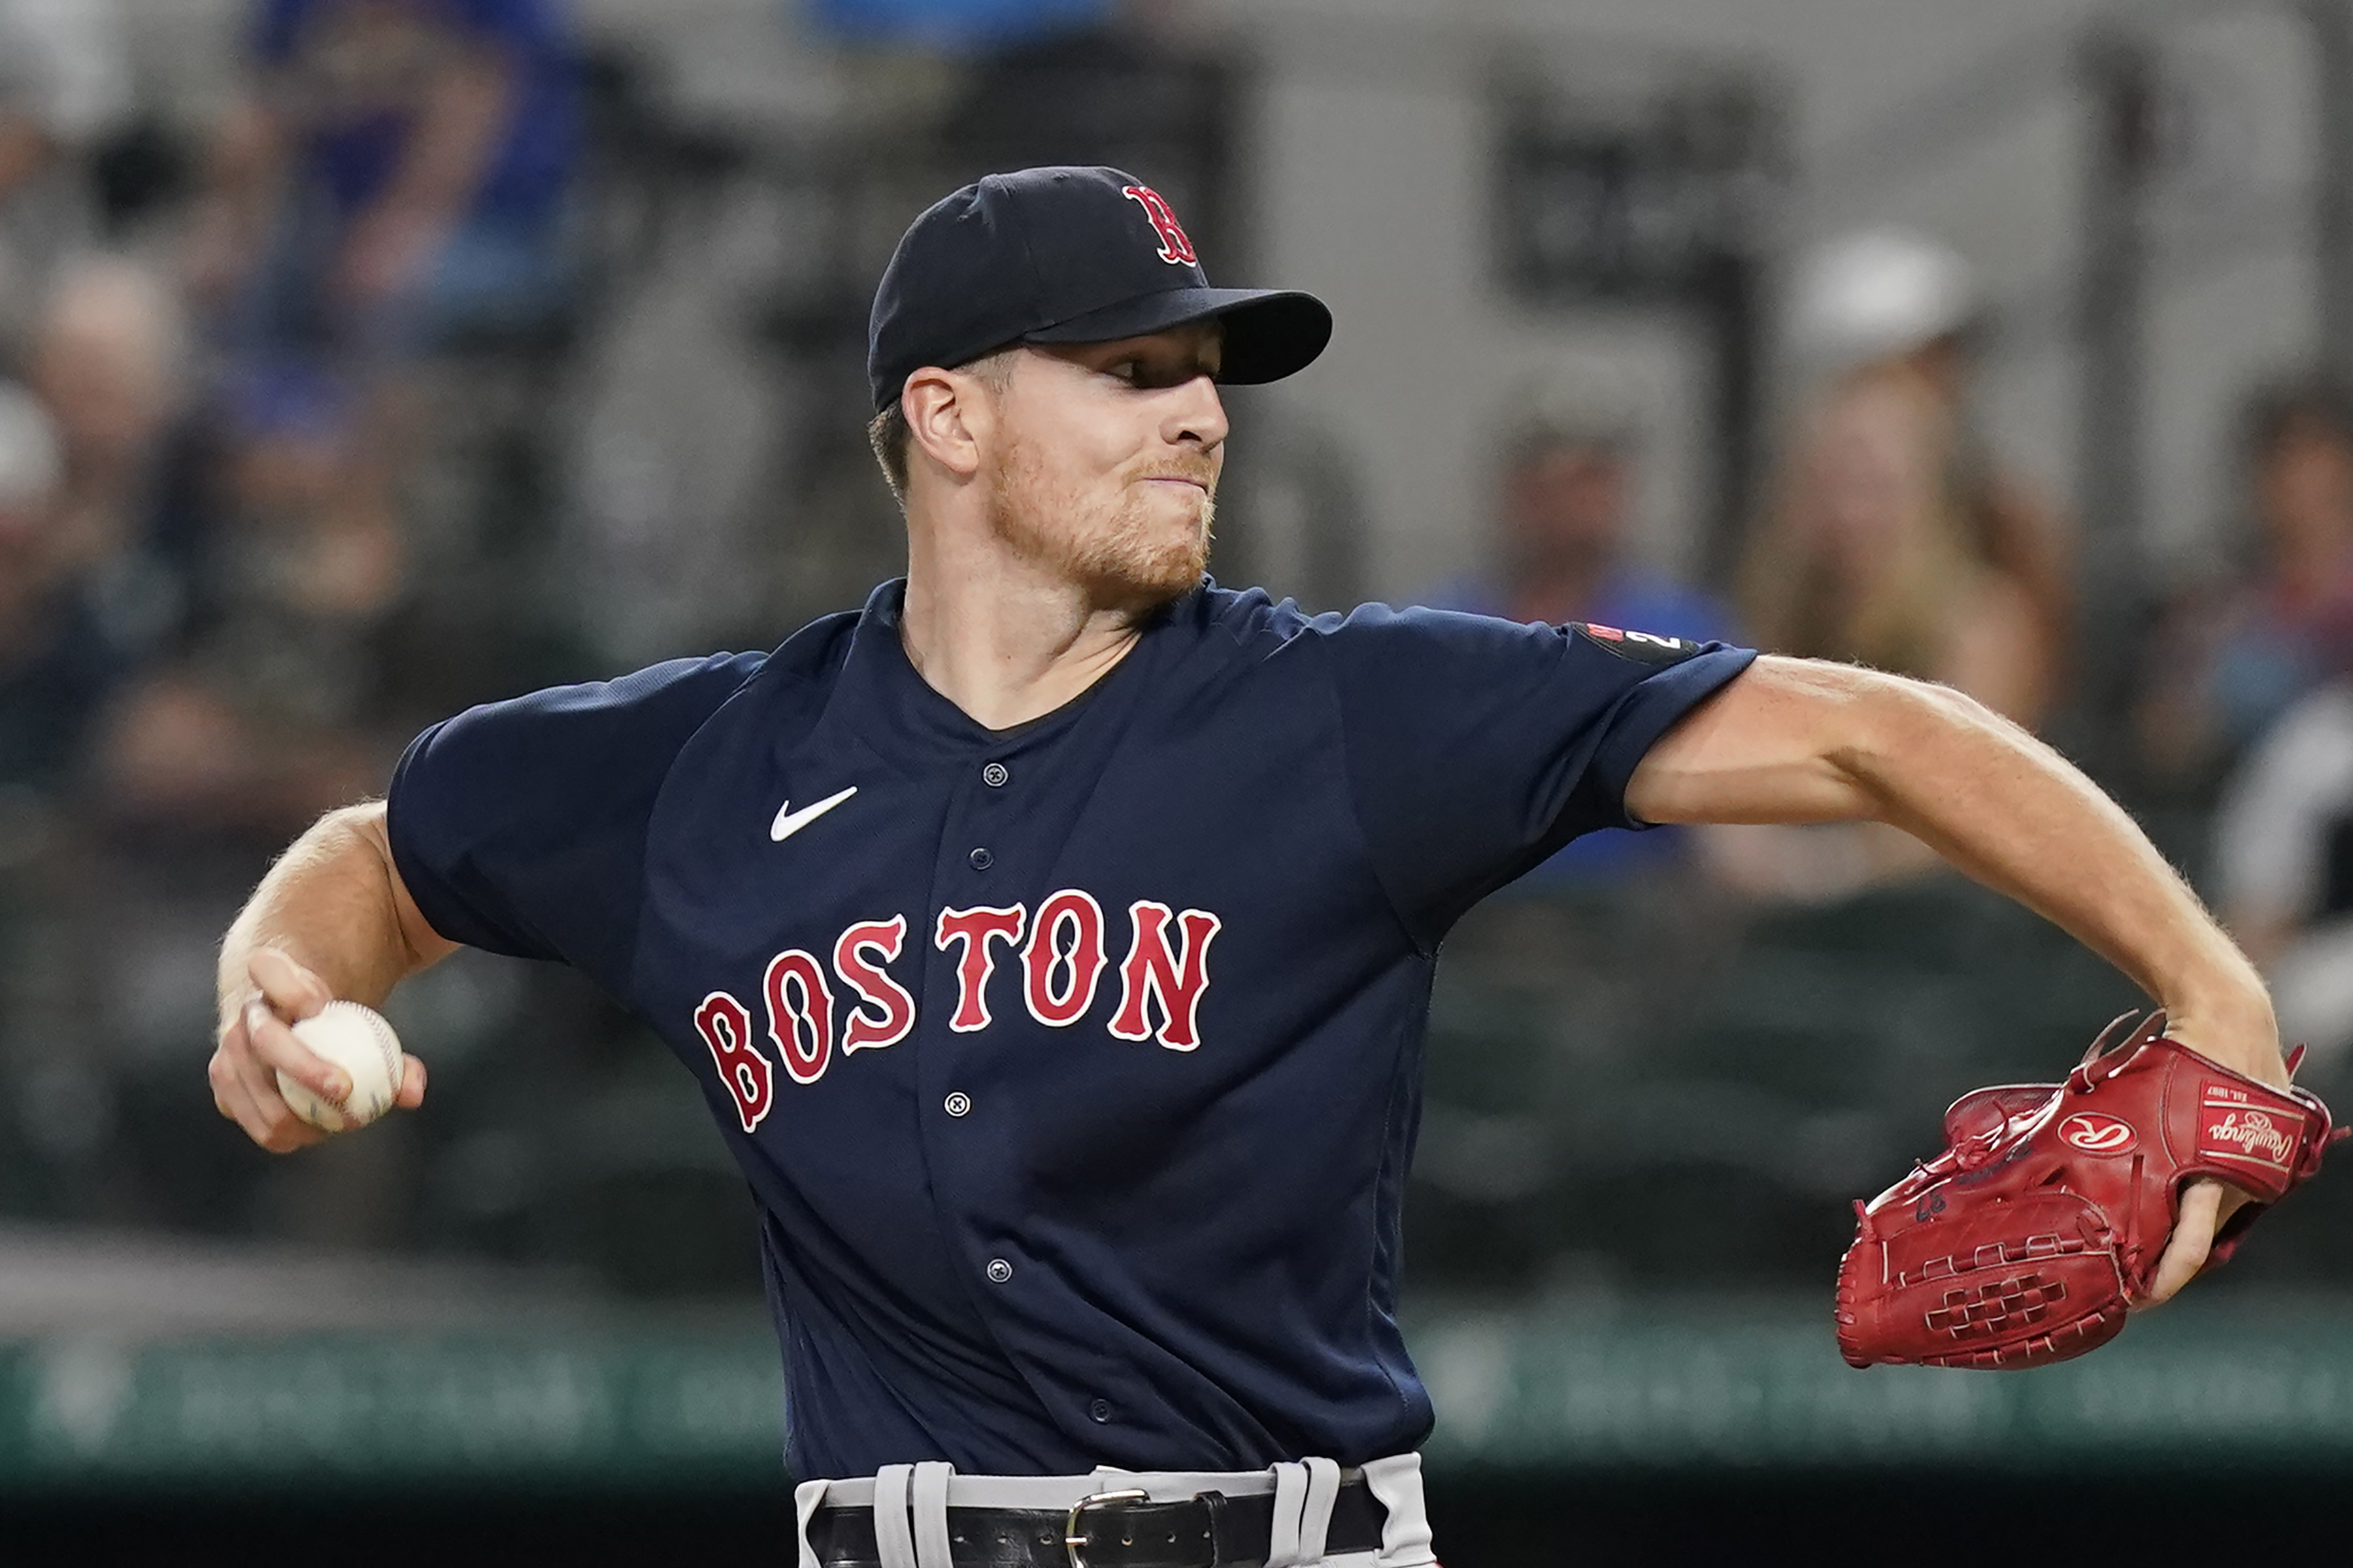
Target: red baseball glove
2025,1241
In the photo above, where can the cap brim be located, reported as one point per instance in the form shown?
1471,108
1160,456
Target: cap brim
1269,332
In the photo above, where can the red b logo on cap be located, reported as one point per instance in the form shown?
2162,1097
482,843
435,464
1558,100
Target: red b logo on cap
1174,246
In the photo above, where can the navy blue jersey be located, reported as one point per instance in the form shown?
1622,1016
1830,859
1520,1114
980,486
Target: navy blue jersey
1075,1068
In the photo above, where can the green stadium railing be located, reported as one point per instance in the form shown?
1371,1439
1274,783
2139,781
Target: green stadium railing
1654,1385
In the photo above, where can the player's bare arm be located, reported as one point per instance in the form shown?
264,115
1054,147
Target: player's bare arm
330,920
1794,741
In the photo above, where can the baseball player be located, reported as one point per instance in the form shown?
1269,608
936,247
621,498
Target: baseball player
1053,937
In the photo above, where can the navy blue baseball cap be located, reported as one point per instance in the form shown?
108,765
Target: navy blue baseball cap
1066,256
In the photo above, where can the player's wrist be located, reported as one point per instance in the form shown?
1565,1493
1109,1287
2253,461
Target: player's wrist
2228,1018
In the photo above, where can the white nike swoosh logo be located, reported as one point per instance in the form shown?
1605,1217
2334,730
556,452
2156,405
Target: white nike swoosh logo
789,822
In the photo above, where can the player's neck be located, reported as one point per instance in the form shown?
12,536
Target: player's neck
1005,640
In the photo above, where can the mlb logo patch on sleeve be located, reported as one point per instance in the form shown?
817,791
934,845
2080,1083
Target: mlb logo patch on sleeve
1642,648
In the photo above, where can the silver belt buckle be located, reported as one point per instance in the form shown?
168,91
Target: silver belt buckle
1072,1542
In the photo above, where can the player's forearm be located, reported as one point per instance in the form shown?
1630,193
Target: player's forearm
333,903
2016,816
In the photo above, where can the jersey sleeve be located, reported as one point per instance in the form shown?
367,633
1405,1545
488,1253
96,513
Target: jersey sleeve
1477,747
520,827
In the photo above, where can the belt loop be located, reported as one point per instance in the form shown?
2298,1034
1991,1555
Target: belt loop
1315,1509
1214,1504
1395,1483
929,1496
894,1543
807,1498
1290,1499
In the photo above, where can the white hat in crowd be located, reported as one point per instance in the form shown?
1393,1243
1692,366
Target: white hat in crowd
1877,293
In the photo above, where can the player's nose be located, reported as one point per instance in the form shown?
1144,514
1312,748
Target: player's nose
1196,416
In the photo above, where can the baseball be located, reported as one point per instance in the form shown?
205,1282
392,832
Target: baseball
358,1040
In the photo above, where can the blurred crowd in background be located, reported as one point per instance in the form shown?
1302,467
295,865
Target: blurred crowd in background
365,401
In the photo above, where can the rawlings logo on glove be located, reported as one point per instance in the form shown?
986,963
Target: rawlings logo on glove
2027,1239
2251,1133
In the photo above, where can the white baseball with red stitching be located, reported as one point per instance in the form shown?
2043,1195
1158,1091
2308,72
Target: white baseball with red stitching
357,1039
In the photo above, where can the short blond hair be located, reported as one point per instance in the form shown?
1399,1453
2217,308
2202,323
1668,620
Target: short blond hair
889,436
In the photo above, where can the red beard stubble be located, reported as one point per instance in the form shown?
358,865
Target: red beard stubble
1123,556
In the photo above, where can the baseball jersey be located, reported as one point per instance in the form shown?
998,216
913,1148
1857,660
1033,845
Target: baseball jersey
1075,1068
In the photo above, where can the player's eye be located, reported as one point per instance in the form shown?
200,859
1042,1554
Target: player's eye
1163,372
1151,371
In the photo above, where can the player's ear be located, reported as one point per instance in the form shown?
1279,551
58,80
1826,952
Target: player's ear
948,419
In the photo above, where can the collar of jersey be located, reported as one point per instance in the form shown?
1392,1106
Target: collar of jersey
900,715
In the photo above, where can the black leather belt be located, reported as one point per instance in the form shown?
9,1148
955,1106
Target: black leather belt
1211,1531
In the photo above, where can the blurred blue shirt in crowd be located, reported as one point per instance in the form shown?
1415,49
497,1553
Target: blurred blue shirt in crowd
356,63
357,88
967,23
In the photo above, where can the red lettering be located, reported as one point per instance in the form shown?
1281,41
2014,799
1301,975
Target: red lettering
725,1026
1077,913
862,1030
975,929
802,1024
1174,981
1174,246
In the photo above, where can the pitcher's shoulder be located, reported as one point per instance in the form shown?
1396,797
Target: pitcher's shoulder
1253,619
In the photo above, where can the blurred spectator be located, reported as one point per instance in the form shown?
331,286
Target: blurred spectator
278,711
64,84
108,366
1563,548
396,179
60,655
1890,298
2283,866
2232,657
1869,558
1564,552
398,174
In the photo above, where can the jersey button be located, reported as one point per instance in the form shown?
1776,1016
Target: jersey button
1100,1410
982,859
994,776
958,1104
999,1271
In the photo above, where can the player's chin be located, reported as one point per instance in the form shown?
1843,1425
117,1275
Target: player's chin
1172,578
1172,511
1159,550
1145,578
1179,566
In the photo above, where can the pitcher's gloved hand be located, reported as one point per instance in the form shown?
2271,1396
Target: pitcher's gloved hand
2029,1237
